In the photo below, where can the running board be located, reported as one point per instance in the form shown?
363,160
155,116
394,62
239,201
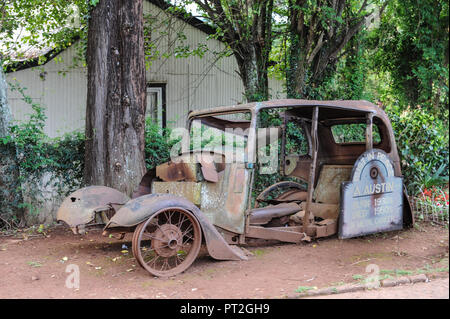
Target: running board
284,234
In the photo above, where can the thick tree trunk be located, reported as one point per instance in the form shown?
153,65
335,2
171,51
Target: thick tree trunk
254,77
10,194
115,110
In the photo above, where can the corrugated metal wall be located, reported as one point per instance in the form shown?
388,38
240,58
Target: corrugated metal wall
191,83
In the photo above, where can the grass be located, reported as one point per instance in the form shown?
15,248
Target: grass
258,252
34,264
304,289
397,272
358,277
339,283
392,273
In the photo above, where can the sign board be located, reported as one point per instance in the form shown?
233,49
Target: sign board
372,201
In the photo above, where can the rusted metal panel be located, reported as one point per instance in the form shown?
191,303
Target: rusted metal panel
225,202
187,168
373,201
145,186
79,208
189,190
325,211
209,170
292,195
326,228
295,191
330,179
173,172
279,233
315,147
261,216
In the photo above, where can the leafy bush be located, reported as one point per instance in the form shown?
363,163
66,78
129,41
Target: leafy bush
157,144
422,141
59,159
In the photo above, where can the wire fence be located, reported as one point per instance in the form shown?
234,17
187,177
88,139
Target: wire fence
431,207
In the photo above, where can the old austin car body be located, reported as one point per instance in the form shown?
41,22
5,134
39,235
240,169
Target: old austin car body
352,189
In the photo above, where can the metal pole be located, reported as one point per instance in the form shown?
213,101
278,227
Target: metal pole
369,131
312,171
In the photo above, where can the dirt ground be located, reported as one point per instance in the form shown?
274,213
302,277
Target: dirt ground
435,289
36,267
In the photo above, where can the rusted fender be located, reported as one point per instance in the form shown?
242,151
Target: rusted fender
139,209
79,207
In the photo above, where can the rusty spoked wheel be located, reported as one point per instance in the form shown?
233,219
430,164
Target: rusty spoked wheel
168,242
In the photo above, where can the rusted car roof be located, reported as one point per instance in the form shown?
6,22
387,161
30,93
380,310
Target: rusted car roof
351,105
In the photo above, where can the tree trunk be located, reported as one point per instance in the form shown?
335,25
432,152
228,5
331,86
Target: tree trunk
317,41
116,97
254,77
10,194
247,29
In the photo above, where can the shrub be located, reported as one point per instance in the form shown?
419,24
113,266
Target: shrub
422,141
157,144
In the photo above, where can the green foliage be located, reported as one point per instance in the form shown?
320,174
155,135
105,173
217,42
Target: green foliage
295,142
39,155
355,132
163,31
319,35
347,80
39,25
157,144
423,141
411,43
302,289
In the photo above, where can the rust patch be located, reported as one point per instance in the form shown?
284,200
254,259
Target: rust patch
329,183
79,208
189,190
325,211
209,170
173,172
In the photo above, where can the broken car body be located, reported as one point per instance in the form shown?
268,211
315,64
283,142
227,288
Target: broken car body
333,186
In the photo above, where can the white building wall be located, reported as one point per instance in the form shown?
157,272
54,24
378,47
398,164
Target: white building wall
191,83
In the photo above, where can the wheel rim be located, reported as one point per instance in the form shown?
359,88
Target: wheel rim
168,242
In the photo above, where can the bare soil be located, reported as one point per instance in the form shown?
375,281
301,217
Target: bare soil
36,267
436,289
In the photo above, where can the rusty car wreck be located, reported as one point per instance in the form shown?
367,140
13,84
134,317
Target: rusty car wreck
332,187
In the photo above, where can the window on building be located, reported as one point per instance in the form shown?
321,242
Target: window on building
156,103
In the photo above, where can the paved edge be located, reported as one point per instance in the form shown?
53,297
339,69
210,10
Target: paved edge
359,287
